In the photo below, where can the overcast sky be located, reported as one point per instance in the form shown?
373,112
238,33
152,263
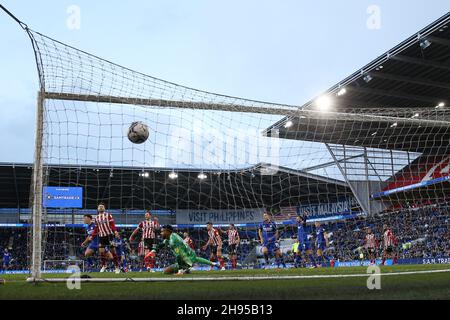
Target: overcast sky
280,51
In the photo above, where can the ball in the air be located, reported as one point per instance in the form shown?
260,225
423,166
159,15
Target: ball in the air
138,132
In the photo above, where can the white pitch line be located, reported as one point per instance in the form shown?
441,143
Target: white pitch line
225,278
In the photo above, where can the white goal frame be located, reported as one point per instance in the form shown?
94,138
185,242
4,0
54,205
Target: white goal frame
37,186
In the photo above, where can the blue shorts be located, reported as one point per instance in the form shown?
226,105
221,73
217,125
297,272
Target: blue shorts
304,246
93,245
272,246
119,252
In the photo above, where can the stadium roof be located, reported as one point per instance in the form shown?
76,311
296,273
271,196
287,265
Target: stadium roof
402,87
131,188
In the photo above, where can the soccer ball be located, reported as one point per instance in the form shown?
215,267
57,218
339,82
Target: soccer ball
138,132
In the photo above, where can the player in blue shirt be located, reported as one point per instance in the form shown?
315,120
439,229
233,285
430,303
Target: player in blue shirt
121,252
6,259
92,247
268,235
321,242
304,243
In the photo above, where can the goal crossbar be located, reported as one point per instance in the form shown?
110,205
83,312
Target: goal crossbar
269,109
273,110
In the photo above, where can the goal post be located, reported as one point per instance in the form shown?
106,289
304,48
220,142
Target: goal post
37,183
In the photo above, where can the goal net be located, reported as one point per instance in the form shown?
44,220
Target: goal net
63,266
223,159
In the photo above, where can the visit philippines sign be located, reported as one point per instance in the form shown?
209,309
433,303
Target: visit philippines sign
239,216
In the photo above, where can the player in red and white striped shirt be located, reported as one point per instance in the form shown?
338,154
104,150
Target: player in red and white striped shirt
389,244
215,244
105,229
371,245
233,244
149,229
188,240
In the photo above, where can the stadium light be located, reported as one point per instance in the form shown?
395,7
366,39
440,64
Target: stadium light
144,174
416,115
288,124
173,175
342,92
202,176
368,78
440,105
324,103
394,125
425,43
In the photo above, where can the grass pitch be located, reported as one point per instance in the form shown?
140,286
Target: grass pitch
405,282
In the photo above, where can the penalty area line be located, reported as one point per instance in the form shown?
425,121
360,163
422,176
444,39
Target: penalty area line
236,278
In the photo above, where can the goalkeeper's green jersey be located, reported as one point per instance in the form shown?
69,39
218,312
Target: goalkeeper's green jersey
185,256
182,252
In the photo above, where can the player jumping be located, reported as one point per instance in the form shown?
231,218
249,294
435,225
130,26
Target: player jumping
185,256
92,246
389,243
268,235
148,228
215,244
106,230
233,244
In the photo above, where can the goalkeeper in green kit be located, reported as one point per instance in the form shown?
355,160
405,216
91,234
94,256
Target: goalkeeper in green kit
185,256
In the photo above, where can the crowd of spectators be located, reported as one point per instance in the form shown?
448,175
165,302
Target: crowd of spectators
421,233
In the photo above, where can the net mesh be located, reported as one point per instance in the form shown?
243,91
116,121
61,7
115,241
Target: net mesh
226,159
